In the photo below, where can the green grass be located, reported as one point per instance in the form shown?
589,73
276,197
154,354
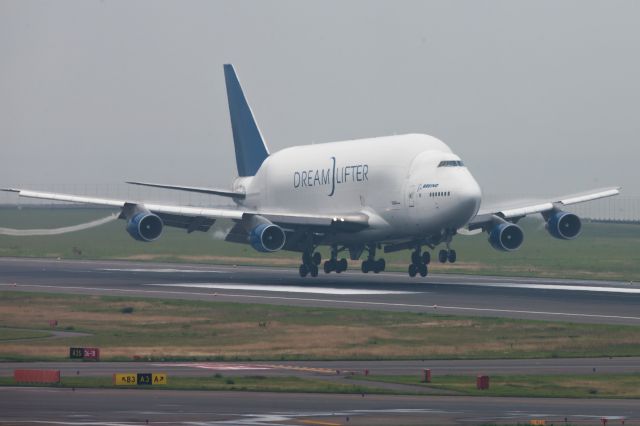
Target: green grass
603,251
221,383
189,330
543,386
17,334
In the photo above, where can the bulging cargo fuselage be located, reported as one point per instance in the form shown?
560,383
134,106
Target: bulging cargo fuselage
408,185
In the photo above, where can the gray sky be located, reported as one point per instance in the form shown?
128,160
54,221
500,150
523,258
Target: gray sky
536,97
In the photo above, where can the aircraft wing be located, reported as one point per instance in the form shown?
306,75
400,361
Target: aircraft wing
201,218
513,211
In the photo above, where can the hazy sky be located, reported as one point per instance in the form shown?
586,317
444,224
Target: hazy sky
537,97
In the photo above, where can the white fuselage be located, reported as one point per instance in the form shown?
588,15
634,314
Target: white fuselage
395,180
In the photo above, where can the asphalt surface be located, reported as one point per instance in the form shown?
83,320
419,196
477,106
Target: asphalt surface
532,298
133,407
561,300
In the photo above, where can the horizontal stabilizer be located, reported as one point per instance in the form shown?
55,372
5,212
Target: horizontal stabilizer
211,191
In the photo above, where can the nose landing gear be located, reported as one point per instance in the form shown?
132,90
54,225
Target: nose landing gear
419,262
449,255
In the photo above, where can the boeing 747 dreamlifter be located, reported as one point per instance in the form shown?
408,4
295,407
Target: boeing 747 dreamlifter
389,193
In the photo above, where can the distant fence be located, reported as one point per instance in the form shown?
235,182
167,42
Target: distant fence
623,209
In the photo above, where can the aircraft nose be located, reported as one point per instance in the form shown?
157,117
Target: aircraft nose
470,195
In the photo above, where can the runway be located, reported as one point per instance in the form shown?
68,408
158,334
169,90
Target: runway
544,299
135,407
530,298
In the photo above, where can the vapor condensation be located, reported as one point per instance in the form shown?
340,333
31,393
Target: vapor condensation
57,231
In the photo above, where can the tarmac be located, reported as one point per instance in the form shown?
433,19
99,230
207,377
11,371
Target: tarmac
546,299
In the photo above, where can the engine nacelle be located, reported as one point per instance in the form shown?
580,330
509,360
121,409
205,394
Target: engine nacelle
267,237
506,237
564,225
145,226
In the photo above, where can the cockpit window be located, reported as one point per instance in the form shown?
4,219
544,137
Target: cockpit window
451,163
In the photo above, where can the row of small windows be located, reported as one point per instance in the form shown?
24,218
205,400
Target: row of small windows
451,163
440,194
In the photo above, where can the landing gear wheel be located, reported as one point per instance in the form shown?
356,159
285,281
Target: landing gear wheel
342,265
380,265
443,256
452,256
317,258
423,270
366,267
328,266
413,270
426,258
313,270
303,270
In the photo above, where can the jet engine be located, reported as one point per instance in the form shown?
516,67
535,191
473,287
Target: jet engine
267,237
563,225
145,226
506,237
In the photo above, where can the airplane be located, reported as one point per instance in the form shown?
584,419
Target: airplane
391,193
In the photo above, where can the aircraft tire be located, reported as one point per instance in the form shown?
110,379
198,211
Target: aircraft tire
303,270
365,267
426,258
380,265
313,270
342,265
328,266
452,256
317,258
423,270
413,270
442,256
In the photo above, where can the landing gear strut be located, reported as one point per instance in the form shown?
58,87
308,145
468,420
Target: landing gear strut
310,264
419,262
371,264
334,264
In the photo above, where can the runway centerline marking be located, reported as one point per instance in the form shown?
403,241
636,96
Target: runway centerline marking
351,302
284,288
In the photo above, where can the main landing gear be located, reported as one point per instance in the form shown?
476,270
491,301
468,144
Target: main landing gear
371,264
419,262
334,264
310,264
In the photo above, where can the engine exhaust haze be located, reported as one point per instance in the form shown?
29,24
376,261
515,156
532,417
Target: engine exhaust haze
57,231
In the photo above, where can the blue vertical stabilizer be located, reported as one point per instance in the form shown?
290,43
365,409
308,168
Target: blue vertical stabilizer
251,150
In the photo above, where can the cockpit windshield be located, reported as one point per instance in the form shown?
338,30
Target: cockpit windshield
451,163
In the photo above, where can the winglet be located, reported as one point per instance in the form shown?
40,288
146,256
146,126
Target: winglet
251,150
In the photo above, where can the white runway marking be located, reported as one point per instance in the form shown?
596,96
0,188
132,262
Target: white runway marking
160,270
435,308
632,290
285,288
218,366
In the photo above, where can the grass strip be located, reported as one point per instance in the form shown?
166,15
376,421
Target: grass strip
221,383
127,328
7,334
543,386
